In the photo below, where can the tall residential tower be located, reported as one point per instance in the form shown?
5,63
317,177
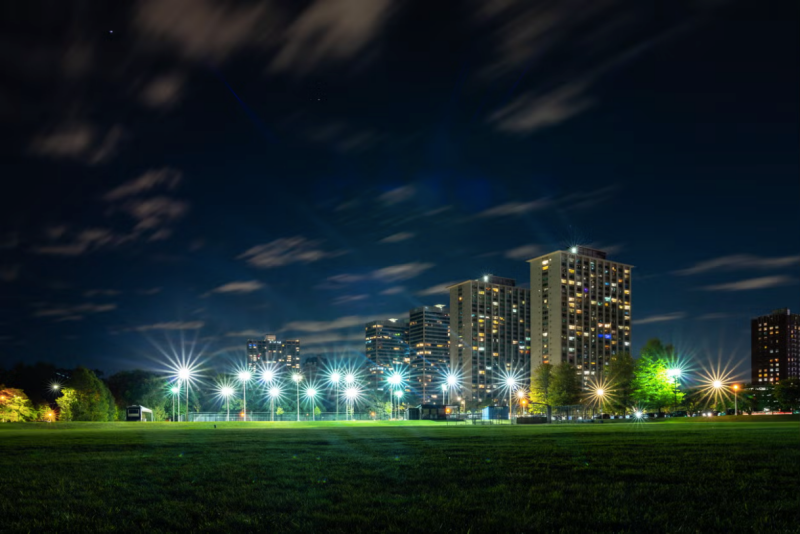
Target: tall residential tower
429,340
489,336
581,309
775,347
386,344
282,355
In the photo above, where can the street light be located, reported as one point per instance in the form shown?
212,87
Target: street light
311,393
297,377
351,394
244,378
395,379
175,390
399,395
268,375
521,397
227,391
274,393
451,381
736,399
675,374
335,378
184,374
511,382
444,393
600,392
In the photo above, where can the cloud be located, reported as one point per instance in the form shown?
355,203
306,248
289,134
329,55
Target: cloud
346,299
515,208
438,289
74,311
151,291
201,29
396,290
238,287
152,213
763,282
398,195
674,316
246,333
174,325
740,262
341,323
165,177
162,92
9,273
78,141
405,271
330,31
398,237
285,251
531,112
82,242
524,252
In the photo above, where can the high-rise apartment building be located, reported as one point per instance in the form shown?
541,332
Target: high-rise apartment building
387,348
489,336
429,341
775,347
581,309
283,355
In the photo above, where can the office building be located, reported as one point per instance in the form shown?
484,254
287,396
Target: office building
386,348
281,355
429,341
580,310
775,347
489,336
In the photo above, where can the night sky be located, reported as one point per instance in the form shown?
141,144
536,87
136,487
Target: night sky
207,171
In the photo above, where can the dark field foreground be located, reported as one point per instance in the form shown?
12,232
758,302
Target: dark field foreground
670,476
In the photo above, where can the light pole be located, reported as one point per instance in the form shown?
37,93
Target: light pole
520,397
311,393
297,377
175,390
452,382
600,392
717,384
351,393
395,379
675,374
399,395
274,393
444,394
226,392
244,378
184,374
336,377
736,399
511,382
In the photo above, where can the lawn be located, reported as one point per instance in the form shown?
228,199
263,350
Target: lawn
712,475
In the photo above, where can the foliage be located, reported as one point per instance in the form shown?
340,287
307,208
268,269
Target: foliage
787,393
540,383
92,400
651,385
317,411
15,406
141,388
619,373
65,403
387,408
33,379
565,385
279,411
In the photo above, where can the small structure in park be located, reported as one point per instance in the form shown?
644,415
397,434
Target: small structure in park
138,413
432,412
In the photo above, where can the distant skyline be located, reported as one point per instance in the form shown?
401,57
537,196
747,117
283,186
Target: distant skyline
301,170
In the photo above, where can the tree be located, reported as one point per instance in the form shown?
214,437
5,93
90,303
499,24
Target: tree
619,374
565,385
787,393
540,383
93,401
15,405
652,385
317,411
142,388
279,411
65,403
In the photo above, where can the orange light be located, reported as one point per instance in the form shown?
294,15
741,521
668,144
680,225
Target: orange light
447,410
735,387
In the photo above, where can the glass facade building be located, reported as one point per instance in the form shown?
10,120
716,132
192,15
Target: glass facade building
429,341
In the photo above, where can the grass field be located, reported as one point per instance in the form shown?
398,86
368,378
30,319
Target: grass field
711,475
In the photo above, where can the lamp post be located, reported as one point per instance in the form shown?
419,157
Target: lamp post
717,384
336,377
351,393
175,390
184,374
274,393
227,391
521,399
736,399
675,374
244,378
399,395
297,377
444,394
510,383
395,379
311,393
600,392
452,382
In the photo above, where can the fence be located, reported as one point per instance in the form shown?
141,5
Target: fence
286,416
